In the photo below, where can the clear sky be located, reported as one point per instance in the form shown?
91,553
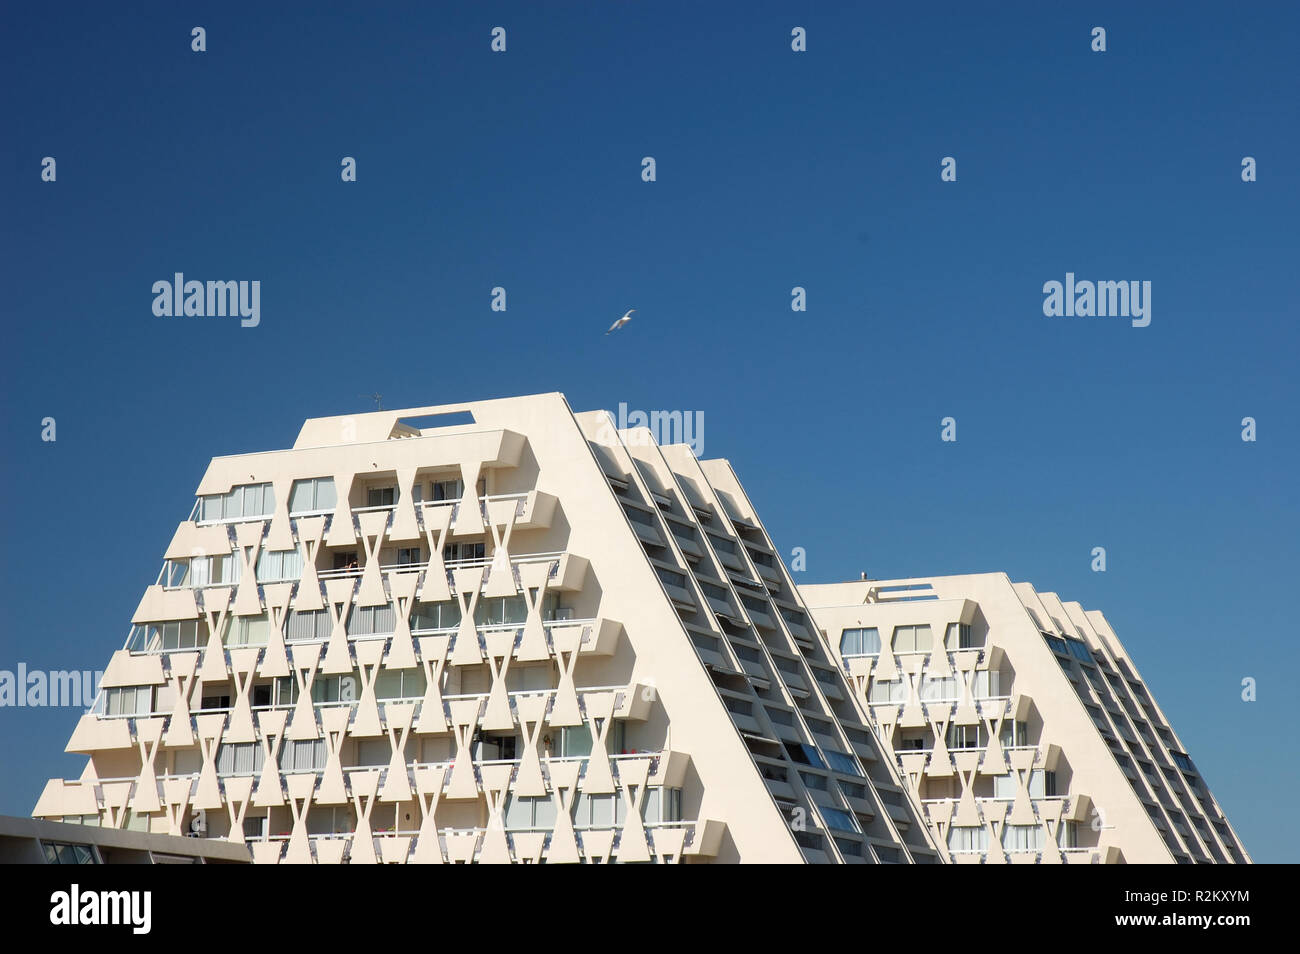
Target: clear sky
774,169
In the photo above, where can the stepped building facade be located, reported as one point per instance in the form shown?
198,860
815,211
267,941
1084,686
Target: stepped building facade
1020,723
514,635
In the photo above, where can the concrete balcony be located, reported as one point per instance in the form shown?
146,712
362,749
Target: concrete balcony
663,842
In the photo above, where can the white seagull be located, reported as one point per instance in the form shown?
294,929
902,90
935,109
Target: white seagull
621,322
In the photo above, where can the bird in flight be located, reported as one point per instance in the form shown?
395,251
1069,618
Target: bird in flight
621,322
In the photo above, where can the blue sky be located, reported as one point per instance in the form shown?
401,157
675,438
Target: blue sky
775,169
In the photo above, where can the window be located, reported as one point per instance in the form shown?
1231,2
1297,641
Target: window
738,706
179,634
371,620
1183,762
804,754
722,544
574,742
330,689
637,515
713,591
381,496
314,495
243,759
1014,734
409,556
1079,650
430,616
987,684
837,818
501,611
966,839
524,813
892,796
306,756
1042,784
792,616
1004,786
841,762
448,489
1022,838
128,701
912,639
888,690
781,716
967,736
62,853
245,502
959,636
814,781
1067,835
670,578
597,811
175,574
860,642
935,689
456,552
213,570
278,565
247,631
307,625
495,748
662,805
400,684
853,789
1057,644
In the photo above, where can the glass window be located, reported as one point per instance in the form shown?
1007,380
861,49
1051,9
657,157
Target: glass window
935,689
1014,734
965,839
1022,838
883,690
987,684
860,642
838,818
501,611
671,578
381,496
305,625
312,494
278,565
575,741
1004,786
371,620
967,736
842,762
448,489
431,616
1037,784
400,684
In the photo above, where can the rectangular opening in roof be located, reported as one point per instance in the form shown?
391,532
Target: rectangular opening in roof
438,420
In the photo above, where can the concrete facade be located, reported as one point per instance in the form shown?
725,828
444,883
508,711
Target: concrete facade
533,637
1021,724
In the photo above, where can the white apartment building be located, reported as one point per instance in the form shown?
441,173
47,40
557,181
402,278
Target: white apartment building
1021,724
485,632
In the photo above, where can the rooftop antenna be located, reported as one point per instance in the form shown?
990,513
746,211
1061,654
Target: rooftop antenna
377,398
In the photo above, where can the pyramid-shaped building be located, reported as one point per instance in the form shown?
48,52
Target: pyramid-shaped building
489,632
